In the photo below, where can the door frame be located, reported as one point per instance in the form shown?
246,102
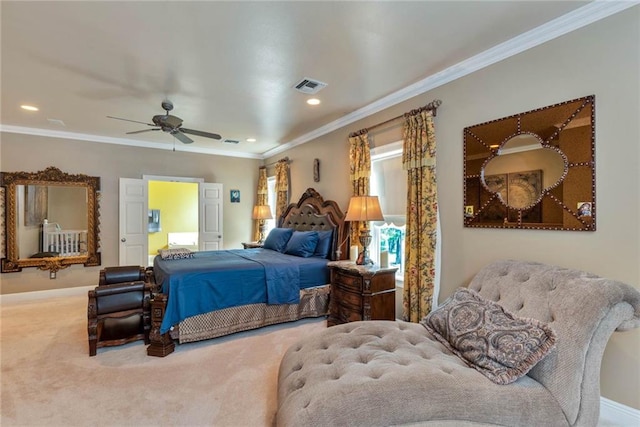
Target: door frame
146,179
170,178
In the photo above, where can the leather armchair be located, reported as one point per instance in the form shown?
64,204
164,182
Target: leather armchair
119,308
128,273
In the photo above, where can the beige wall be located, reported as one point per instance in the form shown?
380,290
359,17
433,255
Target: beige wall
602,59
111,162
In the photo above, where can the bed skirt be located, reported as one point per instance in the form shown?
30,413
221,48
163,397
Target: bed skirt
314,302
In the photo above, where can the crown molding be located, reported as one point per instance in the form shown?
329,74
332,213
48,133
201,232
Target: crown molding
588,14
123,141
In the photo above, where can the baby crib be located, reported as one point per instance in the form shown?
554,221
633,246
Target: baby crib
63,242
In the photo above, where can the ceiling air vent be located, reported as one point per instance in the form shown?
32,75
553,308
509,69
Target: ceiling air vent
231,141
309,86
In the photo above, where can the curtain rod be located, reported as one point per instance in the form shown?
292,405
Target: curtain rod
285,159
433,105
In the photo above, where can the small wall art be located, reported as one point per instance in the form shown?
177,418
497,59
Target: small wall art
235,196
316,170
154,221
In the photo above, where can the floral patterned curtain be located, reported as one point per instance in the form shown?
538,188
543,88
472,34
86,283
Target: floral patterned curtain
262,198
419,159
282,187
359,175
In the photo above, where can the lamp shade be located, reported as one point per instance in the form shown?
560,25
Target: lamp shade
261,212
364,208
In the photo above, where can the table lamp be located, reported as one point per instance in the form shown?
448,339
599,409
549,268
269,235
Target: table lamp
261,212
364,209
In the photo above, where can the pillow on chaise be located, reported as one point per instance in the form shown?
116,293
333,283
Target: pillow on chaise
277,239
499,344
302,243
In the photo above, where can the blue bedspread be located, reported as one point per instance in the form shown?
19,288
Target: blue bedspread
214,280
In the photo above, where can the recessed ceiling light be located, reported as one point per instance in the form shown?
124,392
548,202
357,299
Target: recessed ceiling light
251,140
29,107
313,101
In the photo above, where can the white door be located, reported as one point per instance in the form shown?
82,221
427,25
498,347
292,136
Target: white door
210,218
133,222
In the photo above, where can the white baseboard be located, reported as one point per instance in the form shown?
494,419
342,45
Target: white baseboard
38,295
616,414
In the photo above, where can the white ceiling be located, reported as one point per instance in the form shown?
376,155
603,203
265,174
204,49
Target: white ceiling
229,67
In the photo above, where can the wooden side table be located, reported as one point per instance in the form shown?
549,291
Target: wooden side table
252,245
361,292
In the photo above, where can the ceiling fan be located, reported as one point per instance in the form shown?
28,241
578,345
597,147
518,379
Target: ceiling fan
170,124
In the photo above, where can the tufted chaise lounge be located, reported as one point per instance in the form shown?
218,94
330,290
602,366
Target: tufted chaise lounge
396,373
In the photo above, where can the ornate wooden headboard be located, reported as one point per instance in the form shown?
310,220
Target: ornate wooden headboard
312,212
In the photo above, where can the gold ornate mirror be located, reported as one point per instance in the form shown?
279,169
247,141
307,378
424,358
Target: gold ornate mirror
51,220
533,170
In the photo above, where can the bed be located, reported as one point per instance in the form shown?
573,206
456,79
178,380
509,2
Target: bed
215,293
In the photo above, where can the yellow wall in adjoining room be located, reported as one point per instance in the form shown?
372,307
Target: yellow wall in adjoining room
178,205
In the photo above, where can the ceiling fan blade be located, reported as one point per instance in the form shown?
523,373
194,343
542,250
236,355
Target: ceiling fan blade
140,131
200,133
182,137
127,120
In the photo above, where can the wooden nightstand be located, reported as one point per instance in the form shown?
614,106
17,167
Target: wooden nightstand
252,245
361,292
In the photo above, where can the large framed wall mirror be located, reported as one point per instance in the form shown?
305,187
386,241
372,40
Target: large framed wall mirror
533,170
51,220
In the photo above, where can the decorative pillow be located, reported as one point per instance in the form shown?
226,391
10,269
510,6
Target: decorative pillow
302,243
323,248
277,239
175,253
487,337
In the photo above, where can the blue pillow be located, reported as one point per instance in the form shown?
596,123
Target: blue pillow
302,243
277,239
324,244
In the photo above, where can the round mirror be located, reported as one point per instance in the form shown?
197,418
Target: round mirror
523,170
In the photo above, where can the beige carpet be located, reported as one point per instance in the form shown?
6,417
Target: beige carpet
49,379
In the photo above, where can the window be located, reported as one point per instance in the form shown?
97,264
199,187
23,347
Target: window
389,183
389,237
271,201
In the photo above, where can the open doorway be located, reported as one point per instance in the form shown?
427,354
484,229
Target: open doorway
173,216
137,217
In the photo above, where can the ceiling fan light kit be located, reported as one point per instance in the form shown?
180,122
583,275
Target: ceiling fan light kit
170,124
